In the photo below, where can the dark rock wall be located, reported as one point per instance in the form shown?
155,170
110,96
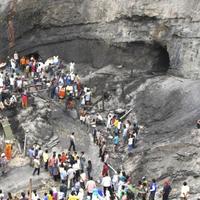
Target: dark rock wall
172,24
72,28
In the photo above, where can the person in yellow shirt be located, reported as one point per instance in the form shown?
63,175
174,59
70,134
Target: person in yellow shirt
45,159
73,196
50,195
116,123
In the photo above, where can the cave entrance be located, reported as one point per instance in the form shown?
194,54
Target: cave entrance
35,55
140,56
162,62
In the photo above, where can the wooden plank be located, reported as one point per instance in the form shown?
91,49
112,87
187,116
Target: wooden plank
126,114
7,129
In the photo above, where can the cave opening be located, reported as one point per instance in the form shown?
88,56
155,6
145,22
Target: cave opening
35,55
162,63
135,55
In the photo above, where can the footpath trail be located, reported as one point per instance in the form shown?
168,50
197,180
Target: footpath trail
84,141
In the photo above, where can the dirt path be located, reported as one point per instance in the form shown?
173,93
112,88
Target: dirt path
84,142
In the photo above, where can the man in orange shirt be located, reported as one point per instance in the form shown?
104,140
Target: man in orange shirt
23,63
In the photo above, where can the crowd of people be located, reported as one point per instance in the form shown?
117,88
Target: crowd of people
71,169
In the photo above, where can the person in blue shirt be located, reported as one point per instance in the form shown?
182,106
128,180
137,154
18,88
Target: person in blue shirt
45,196
153,188
116,142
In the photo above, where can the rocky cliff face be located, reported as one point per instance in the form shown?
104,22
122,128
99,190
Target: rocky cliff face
103,32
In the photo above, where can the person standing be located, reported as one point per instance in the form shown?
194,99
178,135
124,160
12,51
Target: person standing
185,191
24,100
9,196
73,196
130,144
153,188
3,163
70,177
72,142
45,197
23,196
36,162
106,183
45,159
82,161
102,151
90,186
1,195
116,143
166,190
16,58
105,169
89,169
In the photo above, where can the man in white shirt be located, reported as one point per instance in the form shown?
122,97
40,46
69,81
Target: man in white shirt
106,183
185,189
12,82
70,176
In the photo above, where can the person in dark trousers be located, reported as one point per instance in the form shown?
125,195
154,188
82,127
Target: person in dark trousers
36,166
72,142
89,169
82,161
153,188
166,190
